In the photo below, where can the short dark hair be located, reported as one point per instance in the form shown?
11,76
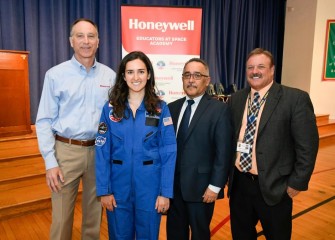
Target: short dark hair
83,20
197,60
258,51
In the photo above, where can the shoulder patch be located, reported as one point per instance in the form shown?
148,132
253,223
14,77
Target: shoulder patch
100,141
167,121
102,128
111,117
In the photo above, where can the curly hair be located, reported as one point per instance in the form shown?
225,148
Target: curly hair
119,94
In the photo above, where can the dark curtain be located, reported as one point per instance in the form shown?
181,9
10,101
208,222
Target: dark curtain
230,30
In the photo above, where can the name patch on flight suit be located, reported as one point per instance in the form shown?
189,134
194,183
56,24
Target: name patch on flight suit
151,119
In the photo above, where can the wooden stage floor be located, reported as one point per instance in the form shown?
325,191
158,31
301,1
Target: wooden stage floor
313,212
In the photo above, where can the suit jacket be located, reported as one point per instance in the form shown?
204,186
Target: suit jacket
287,140
206,153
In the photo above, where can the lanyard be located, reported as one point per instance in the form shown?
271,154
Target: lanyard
253,116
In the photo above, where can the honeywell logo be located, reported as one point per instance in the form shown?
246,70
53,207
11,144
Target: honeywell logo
161,26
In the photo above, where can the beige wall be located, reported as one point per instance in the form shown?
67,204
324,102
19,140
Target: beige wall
304,42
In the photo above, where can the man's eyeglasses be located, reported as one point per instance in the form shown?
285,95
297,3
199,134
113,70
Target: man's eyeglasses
196,76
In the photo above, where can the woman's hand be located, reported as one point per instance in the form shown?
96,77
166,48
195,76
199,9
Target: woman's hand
162,204
108,202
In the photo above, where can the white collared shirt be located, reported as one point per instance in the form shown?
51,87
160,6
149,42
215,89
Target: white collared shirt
193,108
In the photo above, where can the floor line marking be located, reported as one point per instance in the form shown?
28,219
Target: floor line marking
224,221
306,211
220,225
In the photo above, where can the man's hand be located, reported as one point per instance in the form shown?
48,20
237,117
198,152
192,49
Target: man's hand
292,192
54,179
209,196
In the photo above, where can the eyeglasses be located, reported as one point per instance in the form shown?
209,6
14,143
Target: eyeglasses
196,76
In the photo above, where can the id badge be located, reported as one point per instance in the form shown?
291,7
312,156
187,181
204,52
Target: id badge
243,147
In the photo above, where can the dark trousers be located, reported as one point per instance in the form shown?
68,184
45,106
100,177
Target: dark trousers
185,216
247,207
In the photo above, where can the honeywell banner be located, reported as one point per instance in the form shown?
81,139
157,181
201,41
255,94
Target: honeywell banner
169,36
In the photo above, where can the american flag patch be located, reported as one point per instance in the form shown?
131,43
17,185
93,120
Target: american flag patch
167,121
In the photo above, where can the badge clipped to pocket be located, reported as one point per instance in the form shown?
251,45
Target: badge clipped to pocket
151,120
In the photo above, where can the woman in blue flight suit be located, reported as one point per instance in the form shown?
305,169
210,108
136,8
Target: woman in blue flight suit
135,153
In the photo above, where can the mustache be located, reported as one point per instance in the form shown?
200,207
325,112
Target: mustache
259,75
191,85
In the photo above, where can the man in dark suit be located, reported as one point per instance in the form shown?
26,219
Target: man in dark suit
203,155
283,151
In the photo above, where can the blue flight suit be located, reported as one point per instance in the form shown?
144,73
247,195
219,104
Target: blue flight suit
135,161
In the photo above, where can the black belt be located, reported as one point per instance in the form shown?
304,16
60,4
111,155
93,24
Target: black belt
85,143
249,175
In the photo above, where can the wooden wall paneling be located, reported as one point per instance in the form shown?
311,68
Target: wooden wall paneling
14,93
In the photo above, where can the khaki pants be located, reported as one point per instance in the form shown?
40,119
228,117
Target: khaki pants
76,162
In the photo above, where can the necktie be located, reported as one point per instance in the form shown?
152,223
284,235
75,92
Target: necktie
184,123
245,161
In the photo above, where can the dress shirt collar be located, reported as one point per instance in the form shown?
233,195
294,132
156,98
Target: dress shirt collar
261,92
81,66
196,100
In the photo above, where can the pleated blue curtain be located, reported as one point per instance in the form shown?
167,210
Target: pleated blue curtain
231,29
